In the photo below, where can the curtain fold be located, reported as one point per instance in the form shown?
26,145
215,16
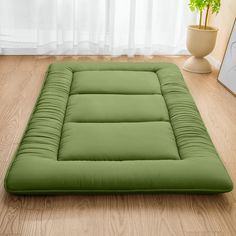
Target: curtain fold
87,27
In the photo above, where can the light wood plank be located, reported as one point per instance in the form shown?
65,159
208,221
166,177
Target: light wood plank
21,78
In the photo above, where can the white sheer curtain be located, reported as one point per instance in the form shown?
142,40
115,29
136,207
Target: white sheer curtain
94,26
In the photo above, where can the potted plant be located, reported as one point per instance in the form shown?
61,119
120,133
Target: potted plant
201,38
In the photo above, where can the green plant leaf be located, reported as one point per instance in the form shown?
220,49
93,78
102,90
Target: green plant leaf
215,6
201,5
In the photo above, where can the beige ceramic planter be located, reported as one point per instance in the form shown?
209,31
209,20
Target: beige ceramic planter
200,42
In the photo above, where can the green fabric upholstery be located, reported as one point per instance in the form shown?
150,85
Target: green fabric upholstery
115,127
116,108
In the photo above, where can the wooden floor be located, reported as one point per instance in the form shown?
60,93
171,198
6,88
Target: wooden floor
161,214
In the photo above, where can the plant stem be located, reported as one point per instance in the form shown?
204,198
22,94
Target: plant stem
200,20
207,13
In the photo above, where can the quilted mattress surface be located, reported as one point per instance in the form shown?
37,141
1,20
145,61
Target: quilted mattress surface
115,127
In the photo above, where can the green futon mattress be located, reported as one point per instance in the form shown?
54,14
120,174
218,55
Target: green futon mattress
115,127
